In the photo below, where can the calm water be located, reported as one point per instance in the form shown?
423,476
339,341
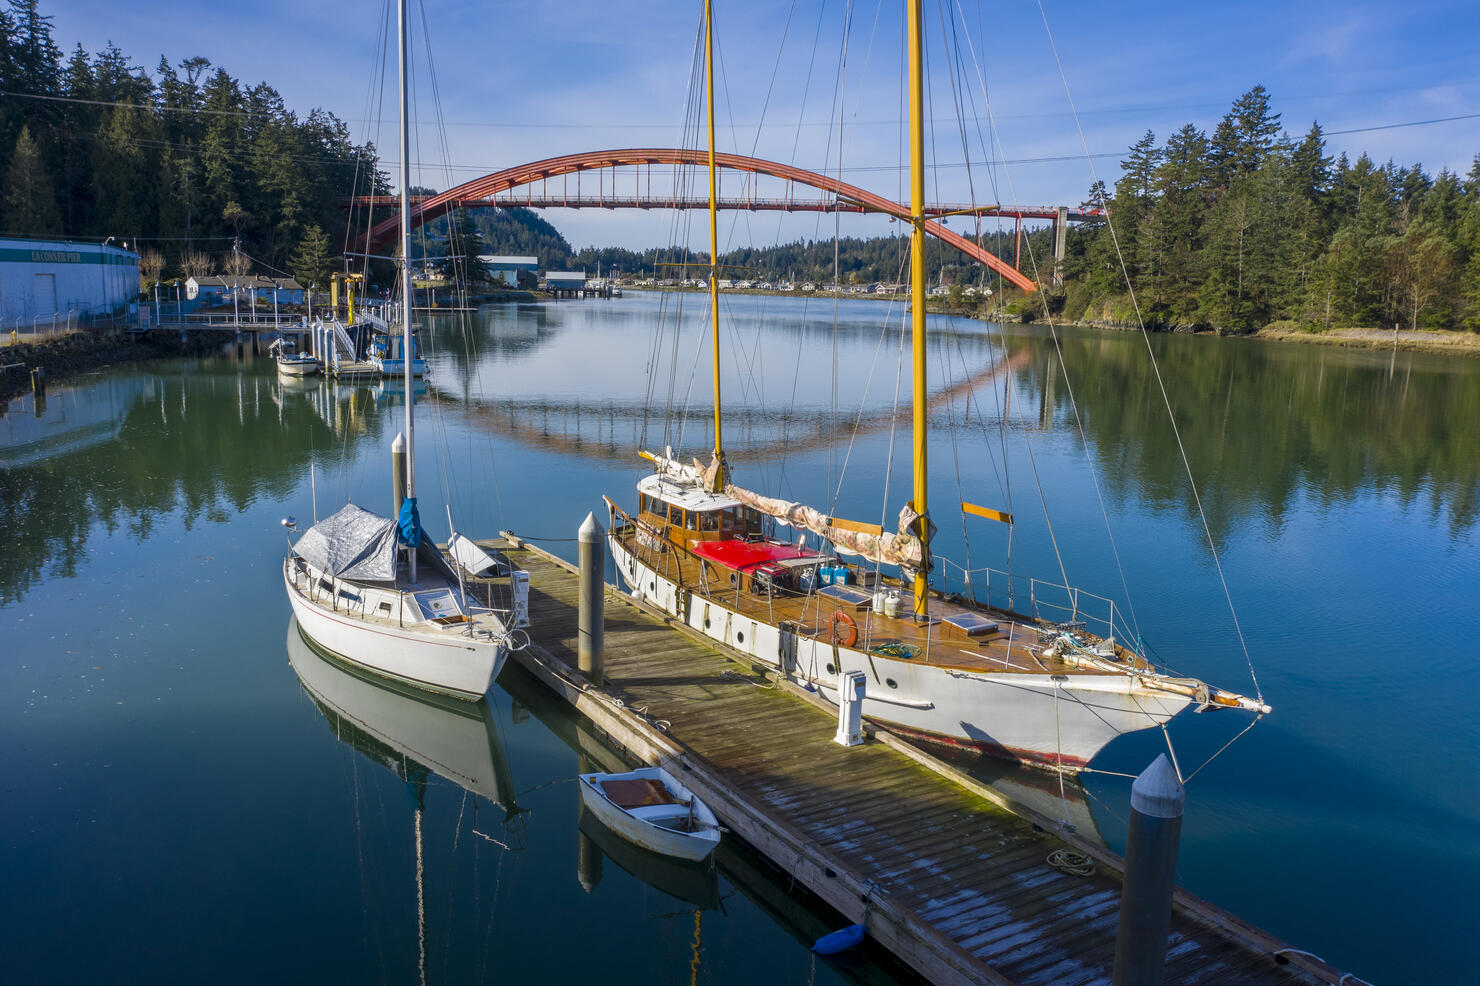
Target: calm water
190,795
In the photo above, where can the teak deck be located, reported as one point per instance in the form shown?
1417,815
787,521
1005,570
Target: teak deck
1013,646
954,884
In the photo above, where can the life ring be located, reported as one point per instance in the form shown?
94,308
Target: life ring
848,635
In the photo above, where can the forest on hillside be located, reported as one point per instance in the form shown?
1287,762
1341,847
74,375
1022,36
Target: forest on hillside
1234,230
1247,227
183,164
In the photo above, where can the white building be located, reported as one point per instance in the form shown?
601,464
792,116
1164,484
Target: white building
507,269
565,280
42,279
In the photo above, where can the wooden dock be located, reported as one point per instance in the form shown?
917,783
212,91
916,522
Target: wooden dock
945,876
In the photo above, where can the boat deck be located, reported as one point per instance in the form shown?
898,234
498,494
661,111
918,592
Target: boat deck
1013,645
954,884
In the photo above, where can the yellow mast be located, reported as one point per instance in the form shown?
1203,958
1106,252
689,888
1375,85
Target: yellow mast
720,472
920,503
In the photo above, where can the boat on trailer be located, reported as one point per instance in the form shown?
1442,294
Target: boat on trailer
649,808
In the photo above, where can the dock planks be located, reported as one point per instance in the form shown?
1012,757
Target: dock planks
956,885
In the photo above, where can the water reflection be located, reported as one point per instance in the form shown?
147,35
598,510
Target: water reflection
1266,426
199,440
412,734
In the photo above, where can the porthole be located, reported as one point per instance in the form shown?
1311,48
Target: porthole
891,682
734,577
831,669
740,638
706,623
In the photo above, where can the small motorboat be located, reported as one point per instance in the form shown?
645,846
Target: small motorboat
290,362
648,807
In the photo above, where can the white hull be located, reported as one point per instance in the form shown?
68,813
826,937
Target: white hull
636,825
455,739
1060,723
297,367
440,659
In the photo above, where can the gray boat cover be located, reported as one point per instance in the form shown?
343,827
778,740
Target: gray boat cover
352,544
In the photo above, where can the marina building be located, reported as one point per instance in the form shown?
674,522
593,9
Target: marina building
507,269
42,280
565,280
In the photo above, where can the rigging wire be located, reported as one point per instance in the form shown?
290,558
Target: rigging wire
1073,403
1161,385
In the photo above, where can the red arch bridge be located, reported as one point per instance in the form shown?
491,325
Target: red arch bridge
497,189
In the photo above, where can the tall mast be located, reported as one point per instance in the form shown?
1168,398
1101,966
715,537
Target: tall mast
720,476
406,266
921,502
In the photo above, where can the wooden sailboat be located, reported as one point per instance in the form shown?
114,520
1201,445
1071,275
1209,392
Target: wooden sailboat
375,592
943,669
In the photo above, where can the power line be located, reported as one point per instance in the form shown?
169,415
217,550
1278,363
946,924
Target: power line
1410,123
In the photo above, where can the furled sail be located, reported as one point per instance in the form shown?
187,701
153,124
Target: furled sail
904,549
693,472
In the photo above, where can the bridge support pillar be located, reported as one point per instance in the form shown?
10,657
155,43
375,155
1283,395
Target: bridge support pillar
1060,240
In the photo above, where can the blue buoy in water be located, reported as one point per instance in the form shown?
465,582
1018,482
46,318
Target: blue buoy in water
839,941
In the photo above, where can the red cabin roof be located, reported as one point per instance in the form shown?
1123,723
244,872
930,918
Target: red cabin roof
741,555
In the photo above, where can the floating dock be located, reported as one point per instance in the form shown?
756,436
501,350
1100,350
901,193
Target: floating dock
947,874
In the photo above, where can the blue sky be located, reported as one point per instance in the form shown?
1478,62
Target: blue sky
519,82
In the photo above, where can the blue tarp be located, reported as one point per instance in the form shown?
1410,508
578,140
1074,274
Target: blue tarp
409,523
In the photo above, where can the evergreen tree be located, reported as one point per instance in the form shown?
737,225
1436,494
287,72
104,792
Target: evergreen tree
311,262
30,209
464,246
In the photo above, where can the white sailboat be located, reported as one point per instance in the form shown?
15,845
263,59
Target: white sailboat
943,669
377,593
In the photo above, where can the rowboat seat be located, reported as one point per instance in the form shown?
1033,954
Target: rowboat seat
637,793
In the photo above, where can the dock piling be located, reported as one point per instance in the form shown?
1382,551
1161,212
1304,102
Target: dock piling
1157,800
591,616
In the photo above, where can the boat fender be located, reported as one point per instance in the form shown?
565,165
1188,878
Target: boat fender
844,630
839,941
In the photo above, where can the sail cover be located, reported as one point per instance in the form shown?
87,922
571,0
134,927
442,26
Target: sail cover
903,549
352,544
694,473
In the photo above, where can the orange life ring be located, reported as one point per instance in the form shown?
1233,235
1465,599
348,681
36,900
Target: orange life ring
848,636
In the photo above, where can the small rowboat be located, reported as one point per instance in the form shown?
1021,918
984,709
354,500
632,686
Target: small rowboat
648,807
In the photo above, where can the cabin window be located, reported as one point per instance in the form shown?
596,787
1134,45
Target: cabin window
676,516
732,524
709,521
752,521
